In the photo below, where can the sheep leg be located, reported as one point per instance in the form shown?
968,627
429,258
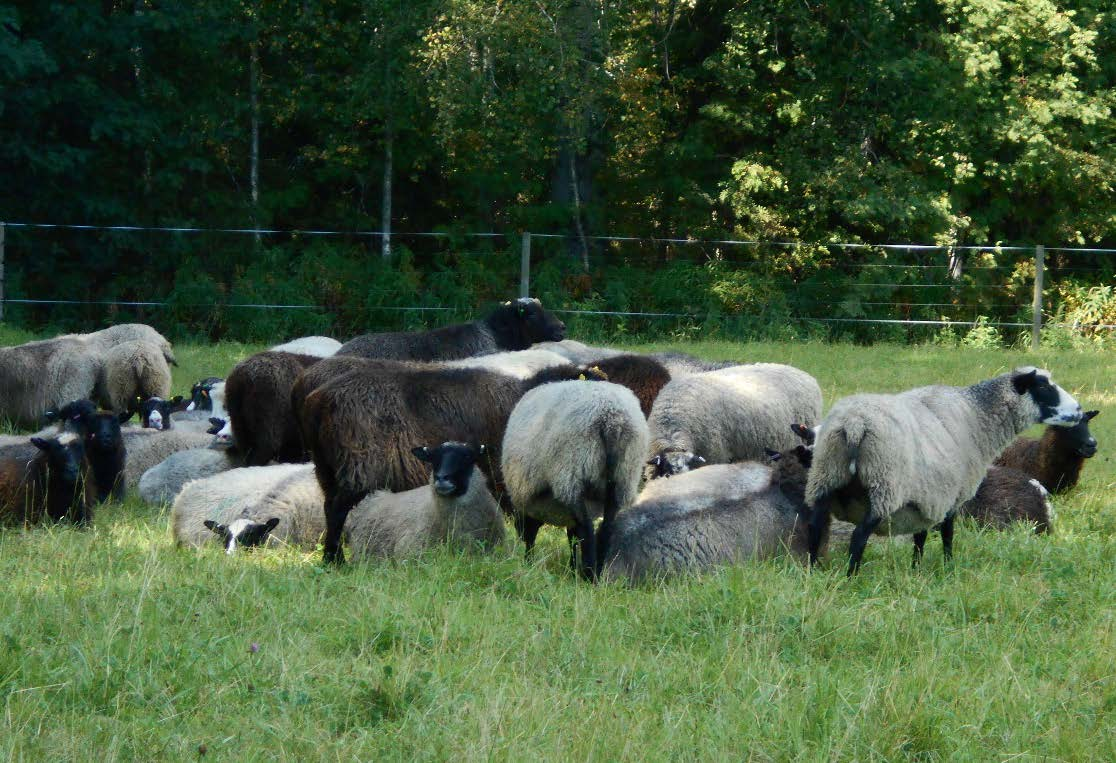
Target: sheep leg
604,532
528,529
819,527
587,545
336,512
946,529
860,540
919,542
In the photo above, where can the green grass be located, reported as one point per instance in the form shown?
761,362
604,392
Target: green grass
116,645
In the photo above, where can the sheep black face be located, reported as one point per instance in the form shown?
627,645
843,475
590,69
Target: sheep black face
1079,439
242,532
102,431
72,414
452,464
671,462
155,412
525,322
1055,405
200,398
807,434
65,456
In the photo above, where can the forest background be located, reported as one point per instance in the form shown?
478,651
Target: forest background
682,124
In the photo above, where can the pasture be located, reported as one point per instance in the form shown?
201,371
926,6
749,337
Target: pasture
116,645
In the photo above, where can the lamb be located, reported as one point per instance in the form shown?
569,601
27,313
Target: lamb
222,499
162,482
147,447
903,463
258,395
573,451
131,371
360,426
512,326
643,375
53,481
318,346
1055,459
1008,495
105,452
722,514
454,508
734,414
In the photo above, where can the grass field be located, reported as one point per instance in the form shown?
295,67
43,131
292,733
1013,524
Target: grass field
116,645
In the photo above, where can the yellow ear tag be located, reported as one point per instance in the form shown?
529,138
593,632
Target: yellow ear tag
581,377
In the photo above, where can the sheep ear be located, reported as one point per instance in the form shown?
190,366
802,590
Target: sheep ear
697,461
422,453
1089,415
774,455
50,415
1023,382
219,529
40,443
655,461
481,450
271,524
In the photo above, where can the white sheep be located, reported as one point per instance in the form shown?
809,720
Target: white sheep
222,500
573,451
147,447
318,346
162,482
522,364
729,415
455,508
904,463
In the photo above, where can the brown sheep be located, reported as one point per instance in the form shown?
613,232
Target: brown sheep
258,399
1006,496
51,479
642,374
1056,458
361,427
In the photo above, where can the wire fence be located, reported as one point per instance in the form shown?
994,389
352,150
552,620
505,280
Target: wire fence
218,279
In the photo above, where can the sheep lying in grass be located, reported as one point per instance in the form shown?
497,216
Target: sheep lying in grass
148,447
360,426
200,399
512,326
162,482
721,514
904,463
1006,496
579,353
51,481
456,508
224,500
573,451
1056,458
518,363
318,346
730,415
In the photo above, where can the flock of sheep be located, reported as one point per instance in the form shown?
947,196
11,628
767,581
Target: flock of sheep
654,464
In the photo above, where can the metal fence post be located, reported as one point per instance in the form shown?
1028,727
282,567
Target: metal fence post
1,271
525,265
1036,305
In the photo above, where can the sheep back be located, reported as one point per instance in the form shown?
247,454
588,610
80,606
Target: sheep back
318,346
1009,495
144,448
131,370
162,482
644,376
258,399
38,376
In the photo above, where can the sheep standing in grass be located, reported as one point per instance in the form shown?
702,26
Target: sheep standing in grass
318,346
1056,458
40,376
643,375
573,451
904,463
360,426
223,499
734,414
1006,496
131,371
106,339
512,326
722,514
53,481
258,397
455,508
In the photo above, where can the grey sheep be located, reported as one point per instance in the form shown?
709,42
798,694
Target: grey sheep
290,513
1006,496
729,415
162,482
518,363
147,447
360,426
223,499
106,339
721,514
579,353
512,326
904,463
43,375
318,346
455,508
573,451
130,372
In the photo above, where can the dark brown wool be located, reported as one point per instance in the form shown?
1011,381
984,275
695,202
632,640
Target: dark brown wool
1051,459
1006,496
258,399
643,375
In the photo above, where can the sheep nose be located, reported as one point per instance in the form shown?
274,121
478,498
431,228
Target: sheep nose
443,487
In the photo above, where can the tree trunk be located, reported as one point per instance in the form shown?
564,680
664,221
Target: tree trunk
254,149
385,212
